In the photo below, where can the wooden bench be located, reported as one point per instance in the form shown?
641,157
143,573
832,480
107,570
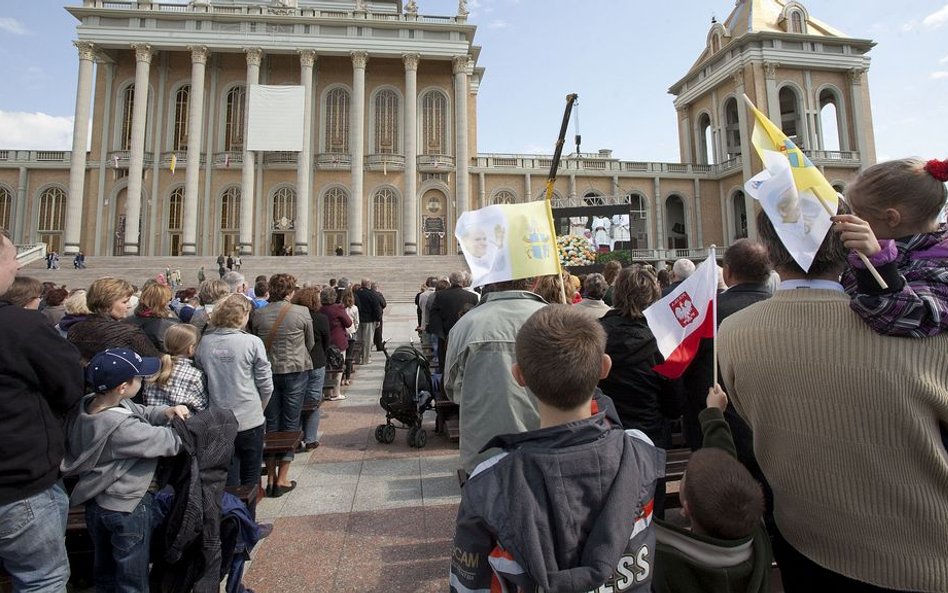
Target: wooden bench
676,461
281,443
447,419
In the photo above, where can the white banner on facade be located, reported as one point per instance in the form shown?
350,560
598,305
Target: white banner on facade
275,118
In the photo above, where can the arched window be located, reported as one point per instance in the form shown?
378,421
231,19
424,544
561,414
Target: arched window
386,122
715,43
385,217
740,215
128,101
831,129
675,230
176,210
230,209
705,146
796,21
732,128
335,209
284,208
434,123
638,220
52,217
504,197
592,198
337,121
179,134
234,118
6,207
790,115
335,219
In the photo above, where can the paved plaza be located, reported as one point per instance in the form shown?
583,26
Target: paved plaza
364,516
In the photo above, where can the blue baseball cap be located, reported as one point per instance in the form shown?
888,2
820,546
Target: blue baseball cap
112,367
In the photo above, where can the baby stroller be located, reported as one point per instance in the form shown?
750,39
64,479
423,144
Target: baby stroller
406,395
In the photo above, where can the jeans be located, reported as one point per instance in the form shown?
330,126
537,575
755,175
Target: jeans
248,458
32,541
314,393
122,543
283,410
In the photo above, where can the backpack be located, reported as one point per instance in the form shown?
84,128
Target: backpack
406,378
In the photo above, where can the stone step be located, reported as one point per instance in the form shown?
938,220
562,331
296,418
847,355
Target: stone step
399,277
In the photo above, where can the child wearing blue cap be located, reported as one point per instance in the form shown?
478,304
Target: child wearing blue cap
113,446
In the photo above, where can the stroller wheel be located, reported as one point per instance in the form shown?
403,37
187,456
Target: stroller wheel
421,438
388,433
411,435
380,433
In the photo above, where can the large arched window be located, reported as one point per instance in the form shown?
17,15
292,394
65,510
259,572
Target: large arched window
705,146
284,208
52,217
337,120
234,118
732,128
434,123
675,229
6,207
386,122
230,218
739,210
504,197
335,219
128,102
175,219
790,111
385,218
638,220
179,133
796,22
831,123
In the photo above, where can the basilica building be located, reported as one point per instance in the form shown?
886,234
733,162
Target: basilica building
389,119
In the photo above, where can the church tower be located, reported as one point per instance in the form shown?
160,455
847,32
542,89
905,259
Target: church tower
806,76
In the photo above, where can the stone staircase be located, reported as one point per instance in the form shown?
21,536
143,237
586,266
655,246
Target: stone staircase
399,277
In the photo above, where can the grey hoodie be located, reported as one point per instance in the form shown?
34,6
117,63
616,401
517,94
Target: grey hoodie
115,452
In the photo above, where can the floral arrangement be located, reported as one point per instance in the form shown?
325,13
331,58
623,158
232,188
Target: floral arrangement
575,250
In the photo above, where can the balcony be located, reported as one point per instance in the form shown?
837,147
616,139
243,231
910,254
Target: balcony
47,158
281,160
834,158
228,159
435,163
385,162
334,161
122,159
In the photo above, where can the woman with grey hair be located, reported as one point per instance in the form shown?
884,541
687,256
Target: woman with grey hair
209,293
594,289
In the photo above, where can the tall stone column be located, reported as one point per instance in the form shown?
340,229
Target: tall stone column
859,115
80,139
254,55
195,129
410,224
773,97
304,167
462,183
356,142
746,152
133,204
686,148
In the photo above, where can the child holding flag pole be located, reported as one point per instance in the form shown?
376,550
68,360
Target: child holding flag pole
790,189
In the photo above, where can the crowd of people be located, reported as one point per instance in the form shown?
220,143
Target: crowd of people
824,446
103,385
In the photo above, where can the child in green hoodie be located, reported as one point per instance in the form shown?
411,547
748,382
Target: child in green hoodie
727,549
113,446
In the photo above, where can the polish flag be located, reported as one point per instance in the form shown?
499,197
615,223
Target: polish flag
680,320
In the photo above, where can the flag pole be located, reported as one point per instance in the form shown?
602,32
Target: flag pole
865,260
714,314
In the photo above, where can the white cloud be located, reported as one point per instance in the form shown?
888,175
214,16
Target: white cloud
11,25
937,18
939,75
35,131
944,60
498,25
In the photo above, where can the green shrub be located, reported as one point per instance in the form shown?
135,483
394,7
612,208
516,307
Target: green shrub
622,257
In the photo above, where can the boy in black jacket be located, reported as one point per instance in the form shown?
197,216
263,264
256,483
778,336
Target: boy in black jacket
567,507
727,549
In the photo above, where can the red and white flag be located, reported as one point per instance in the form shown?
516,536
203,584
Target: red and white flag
680,320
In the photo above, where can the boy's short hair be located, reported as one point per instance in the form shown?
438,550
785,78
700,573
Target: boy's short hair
560,352
724,500
110,368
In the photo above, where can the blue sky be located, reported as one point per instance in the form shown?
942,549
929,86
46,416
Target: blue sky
619,55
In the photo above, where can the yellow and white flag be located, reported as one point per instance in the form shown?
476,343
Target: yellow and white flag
174,162
508,242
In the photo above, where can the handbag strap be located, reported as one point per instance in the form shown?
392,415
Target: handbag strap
276,325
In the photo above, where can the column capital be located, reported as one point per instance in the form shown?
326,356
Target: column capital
307,57
411,61
359,59
682,110
143,52
199,54
770,70
86,50
855,75
254,55
460,64
738,77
